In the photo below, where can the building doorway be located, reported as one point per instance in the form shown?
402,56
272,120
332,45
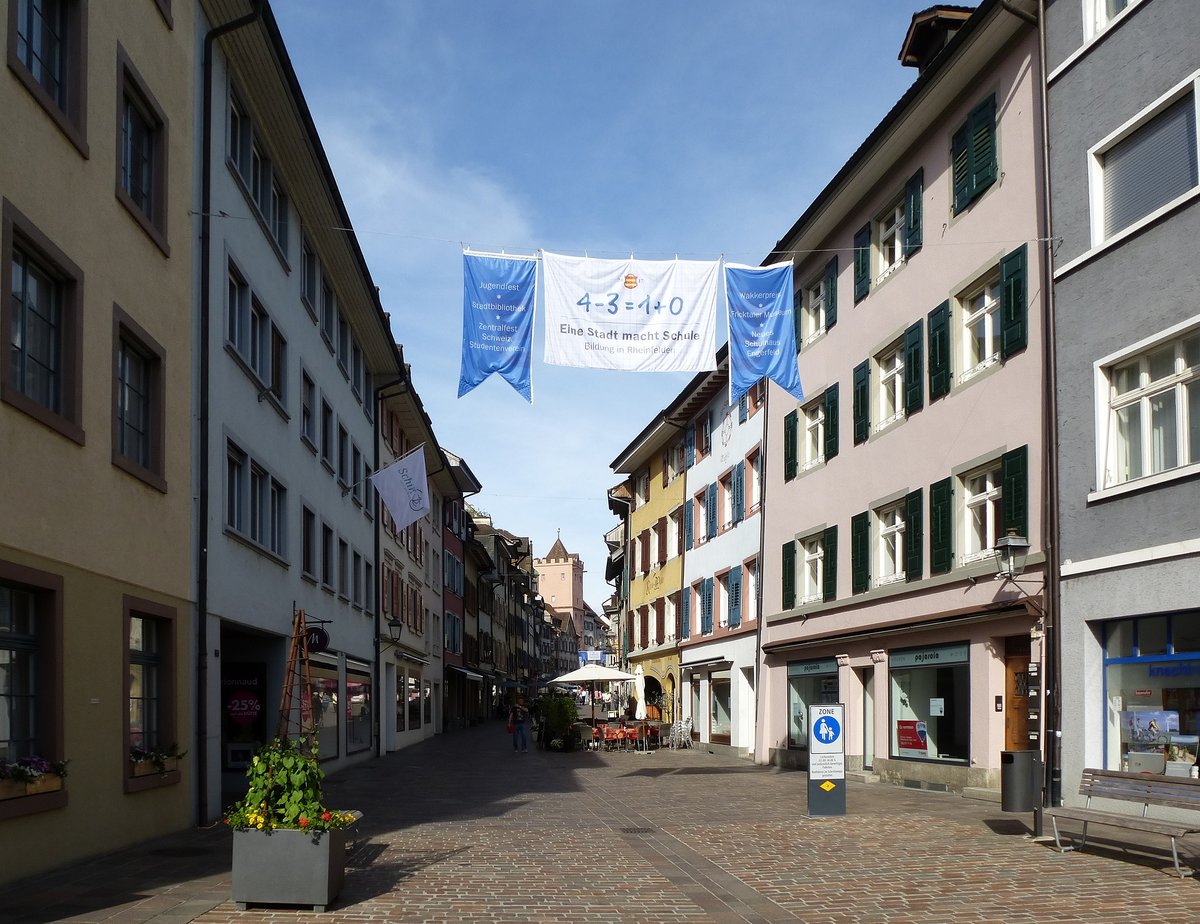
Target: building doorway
1016,692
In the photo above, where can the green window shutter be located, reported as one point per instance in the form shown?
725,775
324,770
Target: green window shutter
689,445
829,564
973,154
913,192
789,575
743,408
789,446
914,375
862,400
941,526
830,290
831,421
862,263
860,552
739,491
914,559
983,146
685,616
689,534
939,351
1014,315
710,511
960,161
1014,478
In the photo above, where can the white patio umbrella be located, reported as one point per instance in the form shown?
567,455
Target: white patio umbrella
592,674
639,686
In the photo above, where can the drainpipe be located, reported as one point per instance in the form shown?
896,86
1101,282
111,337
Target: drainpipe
203,412
1053,747
380,749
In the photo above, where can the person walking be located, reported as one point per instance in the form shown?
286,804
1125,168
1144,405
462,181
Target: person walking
518,717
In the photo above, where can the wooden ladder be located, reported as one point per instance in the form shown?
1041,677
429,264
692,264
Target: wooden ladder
298,676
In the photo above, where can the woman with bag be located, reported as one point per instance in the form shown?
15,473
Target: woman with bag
518,715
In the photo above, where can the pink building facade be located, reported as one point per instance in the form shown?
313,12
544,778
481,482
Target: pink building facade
920,441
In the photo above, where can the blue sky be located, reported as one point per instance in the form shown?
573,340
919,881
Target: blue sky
651,127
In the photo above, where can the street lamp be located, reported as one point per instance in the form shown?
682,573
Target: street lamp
394,626
1011,552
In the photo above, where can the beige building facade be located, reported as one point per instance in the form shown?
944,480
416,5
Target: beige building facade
95,411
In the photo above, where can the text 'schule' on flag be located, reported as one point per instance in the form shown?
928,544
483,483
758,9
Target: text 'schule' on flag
403,488
498,306
762,335
630,315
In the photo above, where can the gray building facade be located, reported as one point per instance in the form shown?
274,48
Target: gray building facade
1122,78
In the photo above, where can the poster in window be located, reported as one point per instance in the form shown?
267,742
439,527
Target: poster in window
911,740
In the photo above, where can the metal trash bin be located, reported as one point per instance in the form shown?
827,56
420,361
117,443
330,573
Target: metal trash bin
1020,780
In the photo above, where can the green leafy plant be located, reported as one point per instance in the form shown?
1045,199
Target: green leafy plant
156,757
31,769
558,713
285,792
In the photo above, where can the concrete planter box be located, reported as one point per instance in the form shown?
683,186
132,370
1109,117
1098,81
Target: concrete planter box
287,867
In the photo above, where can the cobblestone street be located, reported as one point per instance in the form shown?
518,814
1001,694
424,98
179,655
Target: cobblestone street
460,828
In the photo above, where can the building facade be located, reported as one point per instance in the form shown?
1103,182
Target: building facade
292,340
920,289
654,466
718,619
96,592
1124,193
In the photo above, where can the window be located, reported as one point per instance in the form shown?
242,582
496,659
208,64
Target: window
343,568
31,681
1145,167
328,314
138,435
356,368
252,164
812,570
343,459
46,52
343,343
356,485
973,155
235,488
1099,14
814,434
141,153
310,273
277,372
368,586
237,312
40,372
327,434
1153,410
308,542
750,590
818,306
981,512
890,544
889,239
890,392
980,346
149,630
930,703
327,556
356,593
308,409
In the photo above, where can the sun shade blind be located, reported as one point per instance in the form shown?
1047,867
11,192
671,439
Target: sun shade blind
1151,167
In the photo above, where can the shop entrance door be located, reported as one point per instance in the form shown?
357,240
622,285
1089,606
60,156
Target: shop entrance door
1016,693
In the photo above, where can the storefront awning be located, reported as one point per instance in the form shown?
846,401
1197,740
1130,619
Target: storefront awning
706,664
470,675
408,656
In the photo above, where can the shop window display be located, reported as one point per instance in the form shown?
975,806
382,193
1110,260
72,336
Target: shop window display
930,703
1152,689
359,710
809,683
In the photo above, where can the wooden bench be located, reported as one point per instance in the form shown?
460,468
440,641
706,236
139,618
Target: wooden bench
1144,788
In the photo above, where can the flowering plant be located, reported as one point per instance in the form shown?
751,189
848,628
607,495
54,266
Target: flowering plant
154,756
285,792
31,769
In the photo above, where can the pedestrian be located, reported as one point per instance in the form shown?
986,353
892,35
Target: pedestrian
518,715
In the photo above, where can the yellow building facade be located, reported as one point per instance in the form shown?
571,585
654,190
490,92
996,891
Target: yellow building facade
95,425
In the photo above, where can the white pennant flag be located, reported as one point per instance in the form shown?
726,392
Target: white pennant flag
403,488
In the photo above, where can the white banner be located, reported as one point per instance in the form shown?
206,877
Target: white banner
403,489
631,315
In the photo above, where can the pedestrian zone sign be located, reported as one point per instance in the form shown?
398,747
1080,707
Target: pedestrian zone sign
827,759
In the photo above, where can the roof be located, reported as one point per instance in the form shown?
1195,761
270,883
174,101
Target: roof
558,550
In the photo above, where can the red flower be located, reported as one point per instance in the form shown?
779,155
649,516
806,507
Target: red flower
303,822
325,816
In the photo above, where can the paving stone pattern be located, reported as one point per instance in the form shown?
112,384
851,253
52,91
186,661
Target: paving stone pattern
461,829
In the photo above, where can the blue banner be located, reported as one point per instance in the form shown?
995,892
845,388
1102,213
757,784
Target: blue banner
762,334
498,302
